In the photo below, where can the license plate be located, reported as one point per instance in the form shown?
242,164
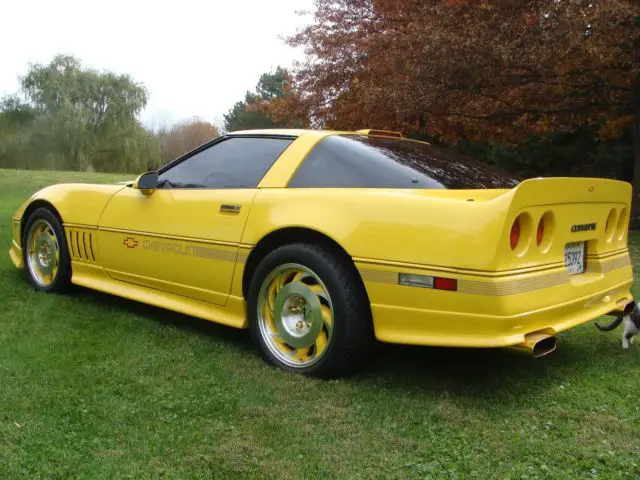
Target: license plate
574,257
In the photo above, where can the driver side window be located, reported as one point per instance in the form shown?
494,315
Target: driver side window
234,162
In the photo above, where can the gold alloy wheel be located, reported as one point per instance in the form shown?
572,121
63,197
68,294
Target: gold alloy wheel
295,315
43,253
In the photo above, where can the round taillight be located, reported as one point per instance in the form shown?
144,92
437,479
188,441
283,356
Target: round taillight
514,237
540,232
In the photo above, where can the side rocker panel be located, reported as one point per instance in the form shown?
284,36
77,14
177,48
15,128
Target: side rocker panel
93,277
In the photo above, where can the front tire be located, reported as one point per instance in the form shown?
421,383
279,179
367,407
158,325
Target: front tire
308,311
45,252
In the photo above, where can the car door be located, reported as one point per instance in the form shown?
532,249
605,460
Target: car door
183,237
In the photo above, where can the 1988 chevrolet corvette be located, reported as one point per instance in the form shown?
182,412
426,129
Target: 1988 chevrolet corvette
320,242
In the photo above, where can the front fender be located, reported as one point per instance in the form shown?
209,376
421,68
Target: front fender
76,203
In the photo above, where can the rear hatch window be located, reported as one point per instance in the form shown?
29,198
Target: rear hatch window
358,161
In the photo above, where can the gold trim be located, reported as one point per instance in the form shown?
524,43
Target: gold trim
456,270
379,276
200,251
219,254
611,253
170,237
161,235
509,287
214,254
606,267
483,273
79,225
514,286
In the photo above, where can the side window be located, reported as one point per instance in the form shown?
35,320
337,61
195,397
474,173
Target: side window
356,161
235,162
339,161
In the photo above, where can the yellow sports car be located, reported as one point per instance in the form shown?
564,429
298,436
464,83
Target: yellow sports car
320,242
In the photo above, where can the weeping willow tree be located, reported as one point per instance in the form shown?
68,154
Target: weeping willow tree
70,117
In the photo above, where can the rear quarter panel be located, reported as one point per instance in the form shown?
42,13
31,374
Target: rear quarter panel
448,228
466,235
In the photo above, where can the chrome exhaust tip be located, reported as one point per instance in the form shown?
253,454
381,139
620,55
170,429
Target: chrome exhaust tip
544,347
536,345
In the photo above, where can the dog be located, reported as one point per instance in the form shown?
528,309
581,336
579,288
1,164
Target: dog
631,322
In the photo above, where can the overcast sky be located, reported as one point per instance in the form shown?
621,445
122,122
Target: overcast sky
196,57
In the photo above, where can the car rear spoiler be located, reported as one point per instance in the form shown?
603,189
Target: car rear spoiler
561,190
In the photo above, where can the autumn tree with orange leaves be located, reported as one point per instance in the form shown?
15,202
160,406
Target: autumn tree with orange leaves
183,137
481,70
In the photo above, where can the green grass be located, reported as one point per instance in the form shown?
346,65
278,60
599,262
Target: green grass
92,386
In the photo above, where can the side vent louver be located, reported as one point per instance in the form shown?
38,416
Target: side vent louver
81,246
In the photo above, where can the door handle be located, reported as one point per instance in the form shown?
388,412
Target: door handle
229,208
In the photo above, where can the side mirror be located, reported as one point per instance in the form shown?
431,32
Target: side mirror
146,183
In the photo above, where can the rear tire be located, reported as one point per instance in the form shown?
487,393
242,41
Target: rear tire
47,263
308,311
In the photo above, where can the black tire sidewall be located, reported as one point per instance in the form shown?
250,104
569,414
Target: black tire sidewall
323,264
62,279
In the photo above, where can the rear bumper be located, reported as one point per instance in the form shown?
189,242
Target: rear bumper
417,327
499,314
15,253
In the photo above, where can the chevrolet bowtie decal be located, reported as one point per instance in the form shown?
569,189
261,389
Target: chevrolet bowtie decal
130,242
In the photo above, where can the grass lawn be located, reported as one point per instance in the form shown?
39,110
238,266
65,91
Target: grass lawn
92,386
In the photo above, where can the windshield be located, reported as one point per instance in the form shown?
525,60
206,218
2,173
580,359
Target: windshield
357,161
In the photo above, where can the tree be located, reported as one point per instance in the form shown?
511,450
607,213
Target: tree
79,118
15,117
184,137
489,70
268,107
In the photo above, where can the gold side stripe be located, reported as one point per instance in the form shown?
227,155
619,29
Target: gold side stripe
606,267
479,287
172,244
456,270
604,256
199,251
169,236
377,263
513,287
159,235
379,276
214,254
79,225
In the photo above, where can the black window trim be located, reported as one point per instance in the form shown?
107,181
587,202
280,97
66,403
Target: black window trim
220,139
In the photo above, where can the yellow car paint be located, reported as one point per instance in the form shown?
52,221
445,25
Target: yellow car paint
179,250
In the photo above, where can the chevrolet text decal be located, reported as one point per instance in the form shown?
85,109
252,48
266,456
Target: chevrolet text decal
178,248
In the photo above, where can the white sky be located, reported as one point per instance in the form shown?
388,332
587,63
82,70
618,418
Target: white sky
196,57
